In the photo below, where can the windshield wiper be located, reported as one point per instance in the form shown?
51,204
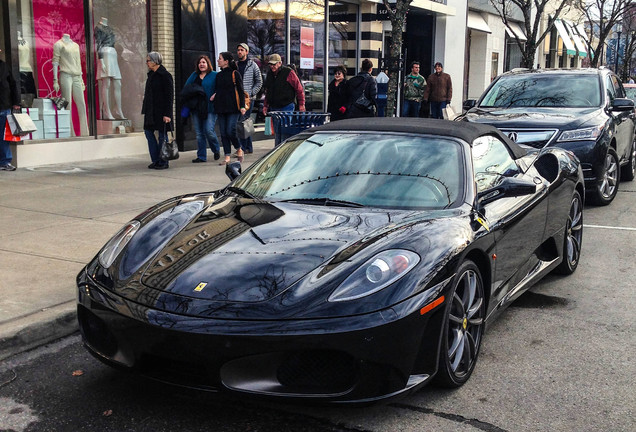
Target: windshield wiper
242,192
324,201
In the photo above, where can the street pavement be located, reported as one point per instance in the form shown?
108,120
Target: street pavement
55,218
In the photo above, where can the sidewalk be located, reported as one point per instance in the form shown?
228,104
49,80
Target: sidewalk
55,218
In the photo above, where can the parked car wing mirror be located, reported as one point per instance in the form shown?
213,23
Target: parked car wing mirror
233,170
622,104
507,187
468,104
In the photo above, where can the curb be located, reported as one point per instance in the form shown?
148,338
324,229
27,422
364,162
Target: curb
38,329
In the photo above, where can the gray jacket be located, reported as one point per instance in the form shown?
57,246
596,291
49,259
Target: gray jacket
252,79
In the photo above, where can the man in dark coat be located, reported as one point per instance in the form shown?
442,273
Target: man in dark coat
282,87
9,98
363,84
439,91
157,107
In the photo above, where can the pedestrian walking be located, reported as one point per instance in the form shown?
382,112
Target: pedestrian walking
197,95
338,95
282,88
382,81
252,84
439,91
229,104
9,98
157,107
362,92
414,87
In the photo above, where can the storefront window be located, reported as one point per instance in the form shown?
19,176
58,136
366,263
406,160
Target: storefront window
342,41
120,49
306,38
266,29
53,55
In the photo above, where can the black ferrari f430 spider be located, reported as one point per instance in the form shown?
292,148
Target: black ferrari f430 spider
357,261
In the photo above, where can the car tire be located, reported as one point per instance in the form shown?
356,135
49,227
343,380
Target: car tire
607,186
572,238
462,327
629,171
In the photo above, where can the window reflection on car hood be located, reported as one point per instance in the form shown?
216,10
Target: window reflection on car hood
389,170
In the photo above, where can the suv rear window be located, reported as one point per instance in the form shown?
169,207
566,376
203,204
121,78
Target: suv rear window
549,90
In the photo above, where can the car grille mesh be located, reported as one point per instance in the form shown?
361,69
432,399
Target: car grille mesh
325,371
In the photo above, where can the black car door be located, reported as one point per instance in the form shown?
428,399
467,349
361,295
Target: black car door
624,119
518,223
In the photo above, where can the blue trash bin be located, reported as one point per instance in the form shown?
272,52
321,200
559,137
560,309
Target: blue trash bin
290,123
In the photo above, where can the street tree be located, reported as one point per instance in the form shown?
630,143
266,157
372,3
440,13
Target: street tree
533,12
397,14
601,16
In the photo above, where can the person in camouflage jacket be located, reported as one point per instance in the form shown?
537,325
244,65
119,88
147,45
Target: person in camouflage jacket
414,86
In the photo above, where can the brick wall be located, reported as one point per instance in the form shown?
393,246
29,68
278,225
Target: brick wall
163,32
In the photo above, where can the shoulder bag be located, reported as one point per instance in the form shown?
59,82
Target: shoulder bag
238,100
363,103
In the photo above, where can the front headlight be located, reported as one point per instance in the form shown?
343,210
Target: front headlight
375,274
587,134
116,244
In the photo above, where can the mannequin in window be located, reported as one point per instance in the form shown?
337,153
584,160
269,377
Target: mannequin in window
108,74
66,59
27,83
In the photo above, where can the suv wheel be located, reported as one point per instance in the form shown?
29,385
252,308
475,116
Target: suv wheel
628,171
607,186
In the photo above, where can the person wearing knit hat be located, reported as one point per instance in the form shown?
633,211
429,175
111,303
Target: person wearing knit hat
252,84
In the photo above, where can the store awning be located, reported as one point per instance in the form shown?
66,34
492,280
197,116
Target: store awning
517,31
574,33
567,41
477,22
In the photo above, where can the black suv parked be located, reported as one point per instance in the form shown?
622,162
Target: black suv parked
582,110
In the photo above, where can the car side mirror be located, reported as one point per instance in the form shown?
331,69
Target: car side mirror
507,187
622,104
468,104
233,170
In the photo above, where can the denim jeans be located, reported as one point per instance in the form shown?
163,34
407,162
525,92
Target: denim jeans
154,147
289,107
246,144
437,108
411,108
227,125
5,146
204,128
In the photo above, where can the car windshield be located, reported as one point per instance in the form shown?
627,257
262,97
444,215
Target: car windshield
388,170
631,93
544,90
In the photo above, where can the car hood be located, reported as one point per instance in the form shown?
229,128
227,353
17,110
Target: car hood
241,254
533,117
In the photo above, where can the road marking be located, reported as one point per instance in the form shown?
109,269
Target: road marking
609,227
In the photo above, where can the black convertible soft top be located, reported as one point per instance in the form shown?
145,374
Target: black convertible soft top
462,130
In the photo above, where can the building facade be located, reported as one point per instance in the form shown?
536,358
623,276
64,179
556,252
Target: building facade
81,63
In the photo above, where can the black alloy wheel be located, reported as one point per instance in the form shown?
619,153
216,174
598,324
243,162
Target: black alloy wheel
607,186
573,237
629,171
463,327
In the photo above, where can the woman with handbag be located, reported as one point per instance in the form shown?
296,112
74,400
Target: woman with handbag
229,104
362,92
157,108
203,117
